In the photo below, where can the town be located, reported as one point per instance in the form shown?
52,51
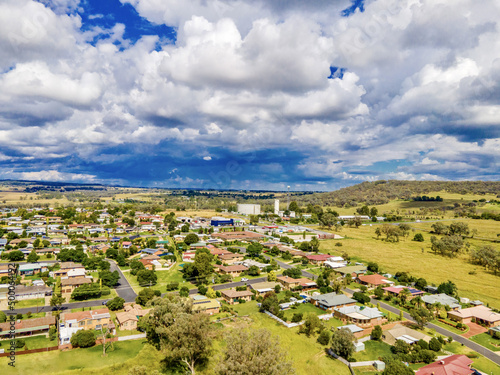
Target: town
98,276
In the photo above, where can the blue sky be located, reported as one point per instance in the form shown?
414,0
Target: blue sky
243,94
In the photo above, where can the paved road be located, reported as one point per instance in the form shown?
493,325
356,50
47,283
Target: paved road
66,306
123,287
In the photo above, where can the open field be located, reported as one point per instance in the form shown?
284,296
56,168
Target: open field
10,197
164,278
56,362
418,259
487,341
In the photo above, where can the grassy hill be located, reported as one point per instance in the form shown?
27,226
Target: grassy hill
382,192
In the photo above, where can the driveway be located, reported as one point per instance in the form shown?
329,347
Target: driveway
474,329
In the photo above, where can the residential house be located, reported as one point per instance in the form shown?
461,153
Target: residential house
443,299
205,305
28,327
233,297
152,251
330,301
88,320
31,292
233,271
362,316
354,271
65,267
263,287
250,262
231,258
29,269
396,290
68,285
404,333
317,258
188,257
238,236
479,314
128,319
290,283
456,364
373,281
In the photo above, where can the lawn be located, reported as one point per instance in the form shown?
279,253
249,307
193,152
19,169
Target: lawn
164,278
304,308
34,342
373,351
76,359
30,303
487,341
418,259
450,328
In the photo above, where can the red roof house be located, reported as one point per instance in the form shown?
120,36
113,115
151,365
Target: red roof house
456,364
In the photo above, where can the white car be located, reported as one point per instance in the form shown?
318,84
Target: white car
244,279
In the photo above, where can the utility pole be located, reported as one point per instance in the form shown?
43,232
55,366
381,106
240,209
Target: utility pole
288,198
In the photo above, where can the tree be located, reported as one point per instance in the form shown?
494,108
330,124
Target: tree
439,228
108,278
379,292
328,220
33,256
57,300
254,250
16,256
254,219
253,271
83,338
189,340
448,245
145,296
147,277
372,267
3,317
418,237
136,266
460,229
421,283
294,273
374,212
435,345
191,238
376,333
396,367
311,324
324,337
403,295
448,288
361,297
421,316
254,352
115,303
184,291
271,276
211,293
343,342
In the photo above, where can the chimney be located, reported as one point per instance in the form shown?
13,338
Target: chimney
441,362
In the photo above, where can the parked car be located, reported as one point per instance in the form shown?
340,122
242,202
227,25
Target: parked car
244,279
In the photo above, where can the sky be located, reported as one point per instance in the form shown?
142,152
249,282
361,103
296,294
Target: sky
239,94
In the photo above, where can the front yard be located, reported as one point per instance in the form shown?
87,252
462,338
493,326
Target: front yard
487,341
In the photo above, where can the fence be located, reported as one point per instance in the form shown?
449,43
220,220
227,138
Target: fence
287,325
21,352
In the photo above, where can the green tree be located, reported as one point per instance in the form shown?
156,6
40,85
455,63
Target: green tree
83,338
189,340
421,283
33,257
191,238
361,297
108,278
324,337
448,245
376,333
271,276
144,296
396,367
211,293
418,237
435,345
254,352
311,324
448,288
147,277
459,228
343,342
421,316
115,303
3,317
439,228
184,291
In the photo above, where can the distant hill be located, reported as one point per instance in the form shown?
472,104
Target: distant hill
380,192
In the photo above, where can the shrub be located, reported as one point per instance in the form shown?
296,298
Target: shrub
297,317
435,345
376,333
20,343
83,339
324,337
